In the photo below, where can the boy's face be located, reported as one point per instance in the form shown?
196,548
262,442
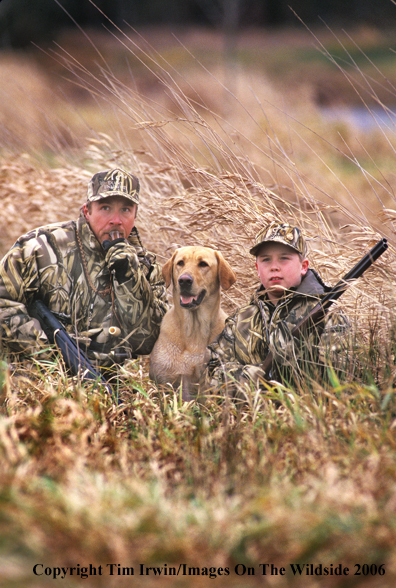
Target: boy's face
279,268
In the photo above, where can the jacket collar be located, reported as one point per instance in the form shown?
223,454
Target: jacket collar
87,236
311,284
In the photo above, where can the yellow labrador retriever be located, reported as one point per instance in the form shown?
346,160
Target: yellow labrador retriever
196,318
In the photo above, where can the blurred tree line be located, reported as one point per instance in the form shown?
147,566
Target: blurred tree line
26,21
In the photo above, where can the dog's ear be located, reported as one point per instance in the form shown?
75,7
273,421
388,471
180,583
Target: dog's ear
167,270
227,276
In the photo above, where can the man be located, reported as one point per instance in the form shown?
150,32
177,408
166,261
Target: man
93,274
288,291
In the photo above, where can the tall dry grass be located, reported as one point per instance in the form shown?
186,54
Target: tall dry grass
297,476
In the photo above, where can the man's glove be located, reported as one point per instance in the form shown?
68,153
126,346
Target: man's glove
107,244
122,259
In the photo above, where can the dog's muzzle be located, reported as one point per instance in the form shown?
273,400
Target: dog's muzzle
187,300
191,301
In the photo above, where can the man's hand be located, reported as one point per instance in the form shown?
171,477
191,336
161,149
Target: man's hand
122,259
107,244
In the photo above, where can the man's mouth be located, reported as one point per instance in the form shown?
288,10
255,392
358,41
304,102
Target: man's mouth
115,234
191,301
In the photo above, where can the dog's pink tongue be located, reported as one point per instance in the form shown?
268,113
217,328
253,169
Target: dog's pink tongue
187,299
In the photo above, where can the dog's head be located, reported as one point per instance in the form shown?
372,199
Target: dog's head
197,274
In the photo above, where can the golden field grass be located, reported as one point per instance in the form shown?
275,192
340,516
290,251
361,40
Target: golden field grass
297,476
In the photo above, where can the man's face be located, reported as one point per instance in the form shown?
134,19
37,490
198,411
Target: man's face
279,268
110,214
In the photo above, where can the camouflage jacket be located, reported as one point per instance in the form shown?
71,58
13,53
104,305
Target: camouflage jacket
46,263
259,327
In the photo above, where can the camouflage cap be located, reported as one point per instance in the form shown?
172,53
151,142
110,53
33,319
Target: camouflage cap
114,182
280,233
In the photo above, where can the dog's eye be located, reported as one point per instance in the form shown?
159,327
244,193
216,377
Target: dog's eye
203,264
180,263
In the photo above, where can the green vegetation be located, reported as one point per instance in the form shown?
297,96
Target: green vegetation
295,477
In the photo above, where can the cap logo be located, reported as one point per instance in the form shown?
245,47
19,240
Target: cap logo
117,181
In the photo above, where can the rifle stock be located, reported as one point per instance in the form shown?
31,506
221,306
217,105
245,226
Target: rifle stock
74,358
318,313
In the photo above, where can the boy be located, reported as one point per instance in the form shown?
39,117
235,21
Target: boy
289,290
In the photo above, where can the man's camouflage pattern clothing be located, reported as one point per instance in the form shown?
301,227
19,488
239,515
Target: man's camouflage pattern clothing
261,327
46,263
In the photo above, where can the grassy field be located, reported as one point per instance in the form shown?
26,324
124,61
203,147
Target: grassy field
157,492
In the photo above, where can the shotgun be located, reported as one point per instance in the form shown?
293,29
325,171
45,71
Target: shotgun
74,358
318,312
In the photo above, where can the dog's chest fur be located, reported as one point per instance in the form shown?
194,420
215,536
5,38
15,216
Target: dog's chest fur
182,355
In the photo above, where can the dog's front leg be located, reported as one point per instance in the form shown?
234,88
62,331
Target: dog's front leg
186,384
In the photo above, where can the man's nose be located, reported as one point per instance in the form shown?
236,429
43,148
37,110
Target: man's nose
115,219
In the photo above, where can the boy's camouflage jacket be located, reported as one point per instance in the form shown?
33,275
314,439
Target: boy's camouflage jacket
259,327
46,263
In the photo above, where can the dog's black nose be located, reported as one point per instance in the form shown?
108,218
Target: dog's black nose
185,281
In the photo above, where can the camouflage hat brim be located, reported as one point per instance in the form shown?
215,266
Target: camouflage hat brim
116,182
254,250
102,195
